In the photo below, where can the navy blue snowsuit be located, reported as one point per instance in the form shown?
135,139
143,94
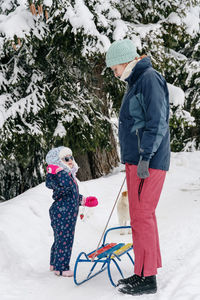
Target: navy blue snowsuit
63,214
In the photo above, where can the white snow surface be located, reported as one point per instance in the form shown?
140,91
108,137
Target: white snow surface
26,238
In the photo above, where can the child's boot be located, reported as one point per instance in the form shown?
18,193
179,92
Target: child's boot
68,273
57,273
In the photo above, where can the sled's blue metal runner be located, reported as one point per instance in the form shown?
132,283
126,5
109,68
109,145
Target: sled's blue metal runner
105,258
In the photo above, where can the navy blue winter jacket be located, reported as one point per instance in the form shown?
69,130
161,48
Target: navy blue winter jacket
144,118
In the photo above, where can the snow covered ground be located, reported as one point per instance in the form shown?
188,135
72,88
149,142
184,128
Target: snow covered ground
26,237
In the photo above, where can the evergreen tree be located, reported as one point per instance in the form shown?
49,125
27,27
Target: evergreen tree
192,89
52,97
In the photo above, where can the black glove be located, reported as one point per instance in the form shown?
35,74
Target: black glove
143,169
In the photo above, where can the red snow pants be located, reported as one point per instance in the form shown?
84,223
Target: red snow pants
143,195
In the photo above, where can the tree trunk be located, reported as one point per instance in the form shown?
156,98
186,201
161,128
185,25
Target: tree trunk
98,163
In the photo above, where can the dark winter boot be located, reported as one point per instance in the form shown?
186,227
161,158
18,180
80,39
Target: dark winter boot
143,285
130,280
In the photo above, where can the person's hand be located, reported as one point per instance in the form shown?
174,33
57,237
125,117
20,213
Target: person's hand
143,169
91,201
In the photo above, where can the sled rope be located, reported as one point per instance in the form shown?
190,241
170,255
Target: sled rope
94,254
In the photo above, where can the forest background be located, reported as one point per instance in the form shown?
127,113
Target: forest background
55,89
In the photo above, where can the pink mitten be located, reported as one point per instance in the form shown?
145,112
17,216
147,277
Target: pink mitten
91,201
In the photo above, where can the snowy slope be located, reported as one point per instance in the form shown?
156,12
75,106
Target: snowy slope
26,237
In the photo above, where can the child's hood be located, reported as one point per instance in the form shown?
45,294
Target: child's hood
53,158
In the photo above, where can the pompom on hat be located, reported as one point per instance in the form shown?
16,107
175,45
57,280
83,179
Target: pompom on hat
121,51
65,151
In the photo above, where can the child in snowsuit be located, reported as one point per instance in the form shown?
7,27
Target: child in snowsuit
61,171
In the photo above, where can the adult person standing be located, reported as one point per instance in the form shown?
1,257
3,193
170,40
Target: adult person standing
145,150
